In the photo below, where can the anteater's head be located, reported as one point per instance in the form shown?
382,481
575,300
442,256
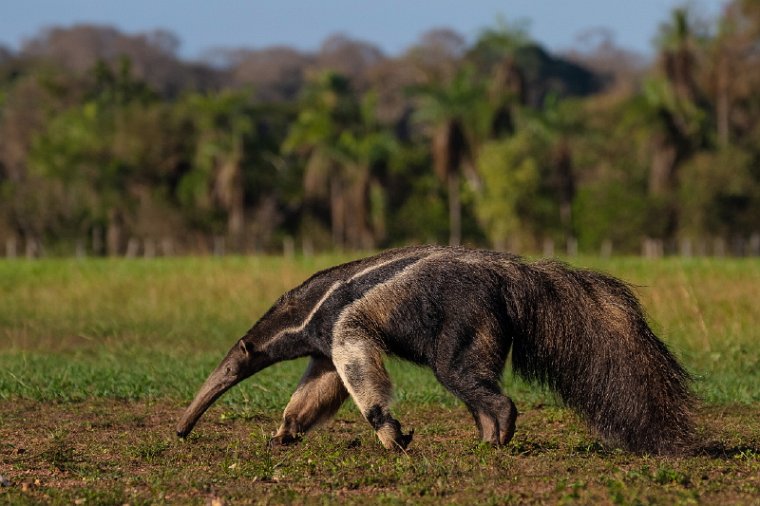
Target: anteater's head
241,361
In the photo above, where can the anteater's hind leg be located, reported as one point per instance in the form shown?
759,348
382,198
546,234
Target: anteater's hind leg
318,397
474,375
360,365
495,414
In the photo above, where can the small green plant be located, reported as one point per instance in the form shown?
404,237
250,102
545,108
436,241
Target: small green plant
151,450
59,452
574,492
665,475
616,490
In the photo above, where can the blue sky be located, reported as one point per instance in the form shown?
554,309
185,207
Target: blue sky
391,24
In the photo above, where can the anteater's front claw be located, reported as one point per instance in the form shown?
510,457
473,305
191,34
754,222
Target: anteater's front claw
404,440
283,440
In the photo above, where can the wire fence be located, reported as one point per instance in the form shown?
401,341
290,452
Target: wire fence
149,247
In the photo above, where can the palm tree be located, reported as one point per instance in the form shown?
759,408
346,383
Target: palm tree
221,123
345,147
557,124
734,75
494,53
452,112
677,102
678,109
325,107
365,151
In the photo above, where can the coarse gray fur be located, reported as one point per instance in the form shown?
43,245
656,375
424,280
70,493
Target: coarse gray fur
458,311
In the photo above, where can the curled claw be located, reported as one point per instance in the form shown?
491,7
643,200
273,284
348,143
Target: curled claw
283,440
404,440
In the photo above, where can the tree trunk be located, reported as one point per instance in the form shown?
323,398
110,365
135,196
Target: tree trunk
455,210
662,169
114,233
722,102
229,193
236,216
563,161
449,150
337,212
362,236
662,183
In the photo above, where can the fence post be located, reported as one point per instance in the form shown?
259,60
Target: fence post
219,246
754,244
149,248
308,247
548,247
133,247
80,251
32,248
167,247
288,247
11,247
606,248
719,247
652,248
572,246
685,248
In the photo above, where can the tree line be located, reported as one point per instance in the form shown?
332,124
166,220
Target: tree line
109,142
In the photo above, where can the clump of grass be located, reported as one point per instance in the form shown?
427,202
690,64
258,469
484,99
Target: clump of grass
666,474
151,449
59,453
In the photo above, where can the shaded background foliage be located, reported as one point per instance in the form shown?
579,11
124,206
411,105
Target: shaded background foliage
109,140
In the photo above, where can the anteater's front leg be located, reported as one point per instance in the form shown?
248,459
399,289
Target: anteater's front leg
360,365
318,397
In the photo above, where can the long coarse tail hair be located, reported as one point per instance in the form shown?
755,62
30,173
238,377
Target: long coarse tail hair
585,336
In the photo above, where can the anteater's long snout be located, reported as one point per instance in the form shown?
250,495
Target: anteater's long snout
214,386
239,364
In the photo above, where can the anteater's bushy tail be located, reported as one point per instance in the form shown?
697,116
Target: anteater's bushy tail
584,334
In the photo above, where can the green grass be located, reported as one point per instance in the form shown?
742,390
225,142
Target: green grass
107,452
138,329
99,357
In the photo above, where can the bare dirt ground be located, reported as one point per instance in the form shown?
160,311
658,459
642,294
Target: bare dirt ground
112,452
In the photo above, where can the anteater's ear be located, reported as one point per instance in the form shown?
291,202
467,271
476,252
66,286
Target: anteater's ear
245,347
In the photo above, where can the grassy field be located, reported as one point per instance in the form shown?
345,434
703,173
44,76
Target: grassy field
99,357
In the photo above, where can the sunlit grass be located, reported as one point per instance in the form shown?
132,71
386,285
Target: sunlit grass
72,329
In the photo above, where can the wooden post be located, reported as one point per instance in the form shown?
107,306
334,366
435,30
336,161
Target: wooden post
219,246
133,247
548,247
719,247
11,247
572,246
754,244
288,247
150,248
606,248
685,248
652,248
80,251
308,247
167,247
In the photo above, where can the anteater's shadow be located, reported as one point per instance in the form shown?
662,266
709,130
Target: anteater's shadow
719,450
